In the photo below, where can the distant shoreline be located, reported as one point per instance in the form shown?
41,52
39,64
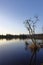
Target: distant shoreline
22,36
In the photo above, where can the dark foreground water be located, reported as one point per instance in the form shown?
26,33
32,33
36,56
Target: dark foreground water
16,52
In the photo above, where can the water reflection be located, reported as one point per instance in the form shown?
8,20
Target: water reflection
34,50
16,52
7,42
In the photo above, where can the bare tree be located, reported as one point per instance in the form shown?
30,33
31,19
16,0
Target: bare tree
30,25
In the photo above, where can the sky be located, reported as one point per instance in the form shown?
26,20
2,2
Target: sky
13,13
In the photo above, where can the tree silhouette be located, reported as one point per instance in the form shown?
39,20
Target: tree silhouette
30,25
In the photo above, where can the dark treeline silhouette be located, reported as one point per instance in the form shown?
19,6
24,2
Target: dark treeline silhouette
22,36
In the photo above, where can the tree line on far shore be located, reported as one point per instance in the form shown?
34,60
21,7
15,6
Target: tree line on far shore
22,36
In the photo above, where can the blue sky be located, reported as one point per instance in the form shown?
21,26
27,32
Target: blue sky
14,12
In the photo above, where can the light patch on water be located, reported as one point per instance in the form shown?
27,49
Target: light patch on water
6,42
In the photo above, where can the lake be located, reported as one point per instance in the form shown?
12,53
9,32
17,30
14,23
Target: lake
16,52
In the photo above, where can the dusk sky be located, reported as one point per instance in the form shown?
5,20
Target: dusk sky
14,12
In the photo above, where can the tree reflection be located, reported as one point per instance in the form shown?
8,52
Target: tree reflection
34,51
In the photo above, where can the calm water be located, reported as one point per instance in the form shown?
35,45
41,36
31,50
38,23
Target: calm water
16,52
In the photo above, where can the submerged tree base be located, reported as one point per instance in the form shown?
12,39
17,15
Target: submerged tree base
33,46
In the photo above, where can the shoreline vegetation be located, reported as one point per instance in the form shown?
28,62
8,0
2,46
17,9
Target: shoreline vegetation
21,36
